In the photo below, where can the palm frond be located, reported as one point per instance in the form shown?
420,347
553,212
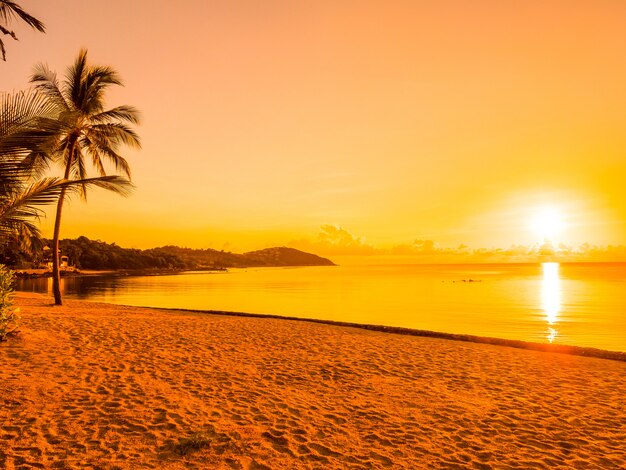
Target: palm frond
9,11
46,81
93,151
101,146
78,171
5,31
20,210
114,183
21,230
123,113
75,87
117,133
3,50
38,164
96,80
25,235
26,112
29,129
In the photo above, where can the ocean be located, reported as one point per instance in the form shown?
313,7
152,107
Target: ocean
573,304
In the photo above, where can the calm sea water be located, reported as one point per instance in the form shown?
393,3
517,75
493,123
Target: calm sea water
578,304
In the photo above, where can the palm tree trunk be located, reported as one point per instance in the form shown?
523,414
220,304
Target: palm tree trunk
56,272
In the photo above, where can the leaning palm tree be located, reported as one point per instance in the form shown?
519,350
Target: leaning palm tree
88,130
29,133
10,11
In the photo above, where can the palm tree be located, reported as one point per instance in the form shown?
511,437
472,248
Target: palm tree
29,132
9,11
88,130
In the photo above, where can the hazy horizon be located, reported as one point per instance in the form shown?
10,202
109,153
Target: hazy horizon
335,243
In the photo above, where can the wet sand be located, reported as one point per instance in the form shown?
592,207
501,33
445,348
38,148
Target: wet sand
92,385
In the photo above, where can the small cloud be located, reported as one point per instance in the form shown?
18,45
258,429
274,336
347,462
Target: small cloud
418,247
547,248
426,247
334,240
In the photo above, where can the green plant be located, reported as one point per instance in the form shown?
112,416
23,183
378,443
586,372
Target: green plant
8,315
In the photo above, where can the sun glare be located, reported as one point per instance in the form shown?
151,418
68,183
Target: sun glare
547,222
551,297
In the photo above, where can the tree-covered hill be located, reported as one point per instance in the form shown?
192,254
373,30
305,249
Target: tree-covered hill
283,256
84,253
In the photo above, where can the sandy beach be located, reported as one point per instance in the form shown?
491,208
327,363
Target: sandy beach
92,385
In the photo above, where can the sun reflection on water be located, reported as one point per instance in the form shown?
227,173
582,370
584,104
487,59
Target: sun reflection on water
551,297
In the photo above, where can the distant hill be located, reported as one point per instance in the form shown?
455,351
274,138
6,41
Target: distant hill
269,257
283,256
84,253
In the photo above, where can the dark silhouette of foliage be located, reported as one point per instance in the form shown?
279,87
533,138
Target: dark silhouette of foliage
9,320
84,253
10,11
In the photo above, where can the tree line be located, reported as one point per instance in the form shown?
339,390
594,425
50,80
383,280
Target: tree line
83,253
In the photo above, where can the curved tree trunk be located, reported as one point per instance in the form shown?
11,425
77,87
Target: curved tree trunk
56,271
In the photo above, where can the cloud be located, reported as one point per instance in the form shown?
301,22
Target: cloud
418,247
335,240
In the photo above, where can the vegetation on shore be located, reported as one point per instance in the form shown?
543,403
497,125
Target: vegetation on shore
84,253
8,314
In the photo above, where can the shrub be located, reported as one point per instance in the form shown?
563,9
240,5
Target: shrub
8,315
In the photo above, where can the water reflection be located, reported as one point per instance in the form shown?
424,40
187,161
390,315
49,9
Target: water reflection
551,297
79,287
574,304
40,285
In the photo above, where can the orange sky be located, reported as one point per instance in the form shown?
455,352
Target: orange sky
452,121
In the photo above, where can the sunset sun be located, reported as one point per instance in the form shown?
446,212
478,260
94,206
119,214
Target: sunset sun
547,222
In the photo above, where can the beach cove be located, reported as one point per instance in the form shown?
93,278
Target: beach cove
95,385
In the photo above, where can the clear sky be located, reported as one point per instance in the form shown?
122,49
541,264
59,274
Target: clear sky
484,122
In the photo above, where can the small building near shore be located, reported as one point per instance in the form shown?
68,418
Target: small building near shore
64,261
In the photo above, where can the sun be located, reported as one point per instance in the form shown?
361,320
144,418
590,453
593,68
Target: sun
547,222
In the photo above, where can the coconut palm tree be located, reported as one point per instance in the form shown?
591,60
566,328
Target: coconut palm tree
29,133
88,130
9,11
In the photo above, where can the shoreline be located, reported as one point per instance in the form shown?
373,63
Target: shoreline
585,351
44,273
96,385
398,330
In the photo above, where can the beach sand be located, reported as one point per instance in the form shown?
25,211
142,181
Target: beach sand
92,385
